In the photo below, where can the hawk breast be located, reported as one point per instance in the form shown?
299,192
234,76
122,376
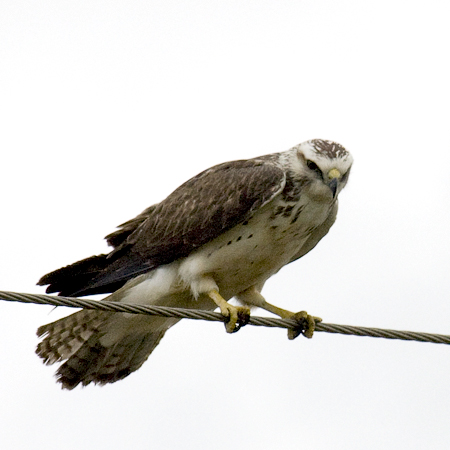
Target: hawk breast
254,250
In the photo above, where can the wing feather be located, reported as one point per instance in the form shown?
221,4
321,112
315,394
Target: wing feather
198,211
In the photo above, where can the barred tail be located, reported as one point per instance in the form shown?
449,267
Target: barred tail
89,358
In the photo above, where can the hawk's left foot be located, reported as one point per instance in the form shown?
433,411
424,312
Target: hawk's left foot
306,325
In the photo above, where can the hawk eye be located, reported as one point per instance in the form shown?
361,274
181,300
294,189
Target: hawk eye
313,166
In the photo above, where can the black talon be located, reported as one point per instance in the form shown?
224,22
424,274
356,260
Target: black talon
297,331
243,319
306,325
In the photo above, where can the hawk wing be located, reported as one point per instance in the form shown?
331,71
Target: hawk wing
197,212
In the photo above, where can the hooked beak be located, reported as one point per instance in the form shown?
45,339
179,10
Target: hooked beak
334,175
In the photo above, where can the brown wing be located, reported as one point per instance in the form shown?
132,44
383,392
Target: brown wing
195,213
118,237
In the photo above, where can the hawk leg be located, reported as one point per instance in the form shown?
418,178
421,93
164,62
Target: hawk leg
236,316
306,322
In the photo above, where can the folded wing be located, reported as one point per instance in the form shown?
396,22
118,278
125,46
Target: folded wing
198,211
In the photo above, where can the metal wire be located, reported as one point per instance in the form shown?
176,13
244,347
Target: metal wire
182,313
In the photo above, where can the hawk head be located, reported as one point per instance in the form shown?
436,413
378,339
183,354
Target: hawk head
323,166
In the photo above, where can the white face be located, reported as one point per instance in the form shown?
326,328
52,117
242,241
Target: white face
326,165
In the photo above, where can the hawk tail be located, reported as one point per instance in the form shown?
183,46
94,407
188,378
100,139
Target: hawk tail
78,340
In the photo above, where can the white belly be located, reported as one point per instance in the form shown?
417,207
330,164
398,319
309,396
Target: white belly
250,253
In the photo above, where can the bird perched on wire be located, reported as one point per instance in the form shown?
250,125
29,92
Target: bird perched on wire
221,234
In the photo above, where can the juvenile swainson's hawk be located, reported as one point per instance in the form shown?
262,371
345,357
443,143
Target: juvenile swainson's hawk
220,235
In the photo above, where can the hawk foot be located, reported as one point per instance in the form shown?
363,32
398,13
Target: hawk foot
235,316
306,325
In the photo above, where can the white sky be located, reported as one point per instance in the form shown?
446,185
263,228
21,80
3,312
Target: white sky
99,98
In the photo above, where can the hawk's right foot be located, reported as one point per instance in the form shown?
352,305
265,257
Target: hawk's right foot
235,316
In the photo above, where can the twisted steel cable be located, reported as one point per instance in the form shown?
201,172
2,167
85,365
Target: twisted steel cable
182,313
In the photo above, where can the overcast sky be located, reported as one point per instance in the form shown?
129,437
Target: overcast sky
107,106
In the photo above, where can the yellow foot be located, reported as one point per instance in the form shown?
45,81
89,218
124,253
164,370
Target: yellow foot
235,316
306,325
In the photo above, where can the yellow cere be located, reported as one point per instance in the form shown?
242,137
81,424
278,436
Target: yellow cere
334,173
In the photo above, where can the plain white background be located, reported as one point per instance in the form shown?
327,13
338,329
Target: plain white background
107,106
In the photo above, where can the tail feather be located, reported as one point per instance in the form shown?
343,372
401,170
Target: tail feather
64,337
78,340
101,365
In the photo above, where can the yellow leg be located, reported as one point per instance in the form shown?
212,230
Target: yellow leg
306,322
237,317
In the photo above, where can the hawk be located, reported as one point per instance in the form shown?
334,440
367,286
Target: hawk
221,234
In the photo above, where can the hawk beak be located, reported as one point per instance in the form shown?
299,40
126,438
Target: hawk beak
334,176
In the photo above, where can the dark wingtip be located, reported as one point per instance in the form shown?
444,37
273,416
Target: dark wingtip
76,278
